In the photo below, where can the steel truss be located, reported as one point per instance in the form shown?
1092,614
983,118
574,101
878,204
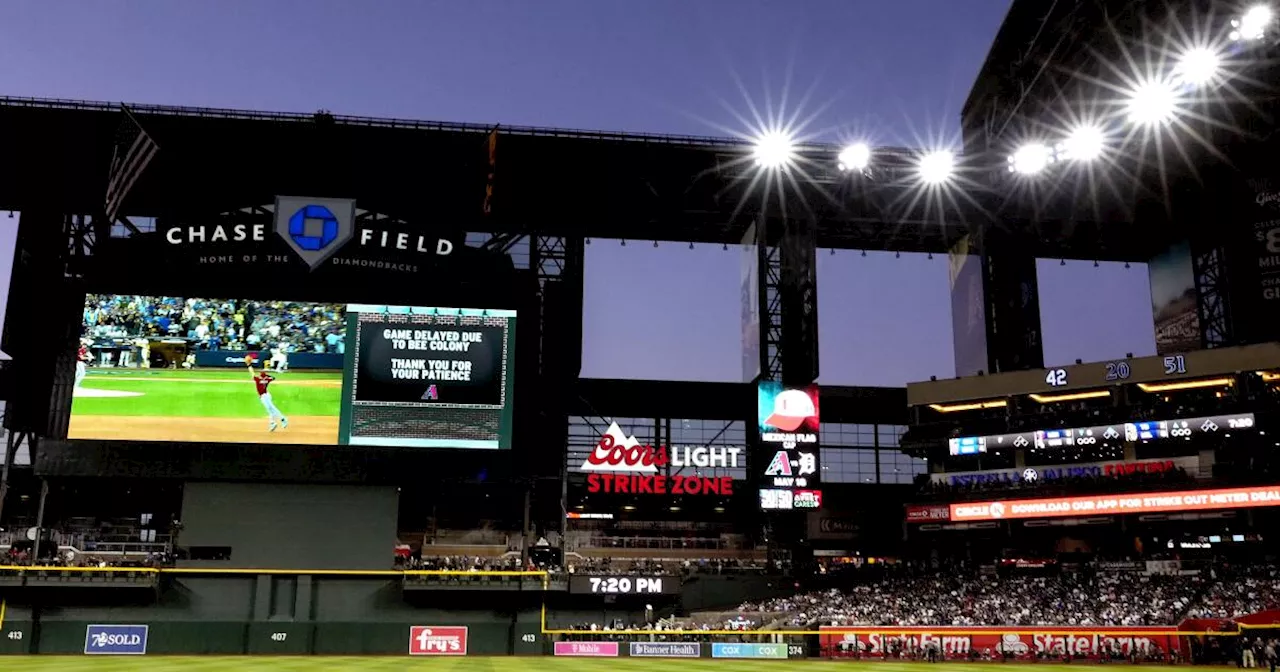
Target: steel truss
1213,304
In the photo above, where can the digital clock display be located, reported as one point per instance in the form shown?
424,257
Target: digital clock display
625,585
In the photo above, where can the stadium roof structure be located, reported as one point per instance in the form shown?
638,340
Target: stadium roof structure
553,182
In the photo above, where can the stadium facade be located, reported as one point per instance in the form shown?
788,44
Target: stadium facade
294,351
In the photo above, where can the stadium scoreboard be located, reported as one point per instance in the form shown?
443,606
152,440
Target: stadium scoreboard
429,377
630,584
1095,375
1136,431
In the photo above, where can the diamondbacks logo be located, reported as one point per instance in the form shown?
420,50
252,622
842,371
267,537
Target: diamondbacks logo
315,228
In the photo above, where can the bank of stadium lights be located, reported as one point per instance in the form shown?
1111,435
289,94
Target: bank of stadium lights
936,167
854,157
774,149
1253,24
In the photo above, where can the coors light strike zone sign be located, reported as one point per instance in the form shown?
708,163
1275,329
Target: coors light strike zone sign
620,464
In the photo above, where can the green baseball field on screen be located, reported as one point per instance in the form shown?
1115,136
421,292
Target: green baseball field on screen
207,393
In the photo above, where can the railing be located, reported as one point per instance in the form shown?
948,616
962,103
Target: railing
695,543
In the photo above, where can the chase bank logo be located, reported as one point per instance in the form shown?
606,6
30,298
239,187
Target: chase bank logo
315,228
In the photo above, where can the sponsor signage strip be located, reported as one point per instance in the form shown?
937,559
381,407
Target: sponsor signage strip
722,650
666,650
1087,643
587,649
1144,502
115,640
1114,468
437,640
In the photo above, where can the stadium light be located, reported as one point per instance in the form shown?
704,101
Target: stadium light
1253,24
1030,159
1198,66
1153,102
1084,143
936,167
854,157
774,149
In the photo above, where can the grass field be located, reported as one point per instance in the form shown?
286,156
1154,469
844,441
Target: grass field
481,664
203,405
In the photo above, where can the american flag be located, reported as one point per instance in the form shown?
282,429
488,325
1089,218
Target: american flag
133,151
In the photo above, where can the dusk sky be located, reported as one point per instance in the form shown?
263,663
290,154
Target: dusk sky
894,73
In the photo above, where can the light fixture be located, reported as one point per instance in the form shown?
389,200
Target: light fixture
655,243
774,149
1198,66
1083,143
936,167
854,157
624,242
1153,102
1253,24
691,244
1030,159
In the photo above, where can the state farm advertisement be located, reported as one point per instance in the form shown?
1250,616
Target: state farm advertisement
1153,502
437,640
964,643
620,464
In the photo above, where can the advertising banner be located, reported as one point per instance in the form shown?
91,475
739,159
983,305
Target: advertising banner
1264,215
1173,300
620,464
721,650
1151,502
750,306
960,642
115,640
666,650
928,513
968,309
437,640
1110,469
587,649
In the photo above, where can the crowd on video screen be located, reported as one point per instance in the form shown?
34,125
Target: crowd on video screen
219,324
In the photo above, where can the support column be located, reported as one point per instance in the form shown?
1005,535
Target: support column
995,305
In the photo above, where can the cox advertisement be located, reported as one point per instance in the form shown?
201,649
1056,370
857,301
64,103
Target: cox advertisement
775,651
115,640
1150,502
619,464
437,640
959,643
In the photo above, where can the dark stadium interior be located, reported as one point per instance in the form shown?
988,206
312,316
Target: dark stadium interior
1126,508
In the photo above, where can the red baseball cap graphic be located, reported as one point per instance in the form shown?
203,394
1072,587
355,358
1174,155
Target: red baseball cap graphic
790,409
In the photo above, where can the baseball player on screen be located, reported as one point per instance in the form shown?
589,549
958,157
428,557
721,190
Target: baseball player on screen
261,379
82,363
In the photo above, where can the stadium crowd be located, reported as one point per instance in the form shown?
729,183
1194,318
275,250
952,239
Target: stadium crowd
218,324
1103,600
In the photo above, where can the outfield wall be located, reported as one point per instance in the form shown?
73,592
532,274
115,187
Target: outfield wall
259,614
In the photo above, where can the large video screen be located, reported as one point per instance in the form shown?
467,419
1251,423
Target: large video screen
243,371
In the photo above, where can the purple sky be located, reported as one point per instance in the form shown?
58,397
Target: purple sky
894,72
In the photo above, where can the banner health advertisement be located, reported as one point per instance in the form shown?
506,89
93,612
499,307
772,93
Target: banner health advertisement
721,650
587,649
115,640
666,650
248,371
